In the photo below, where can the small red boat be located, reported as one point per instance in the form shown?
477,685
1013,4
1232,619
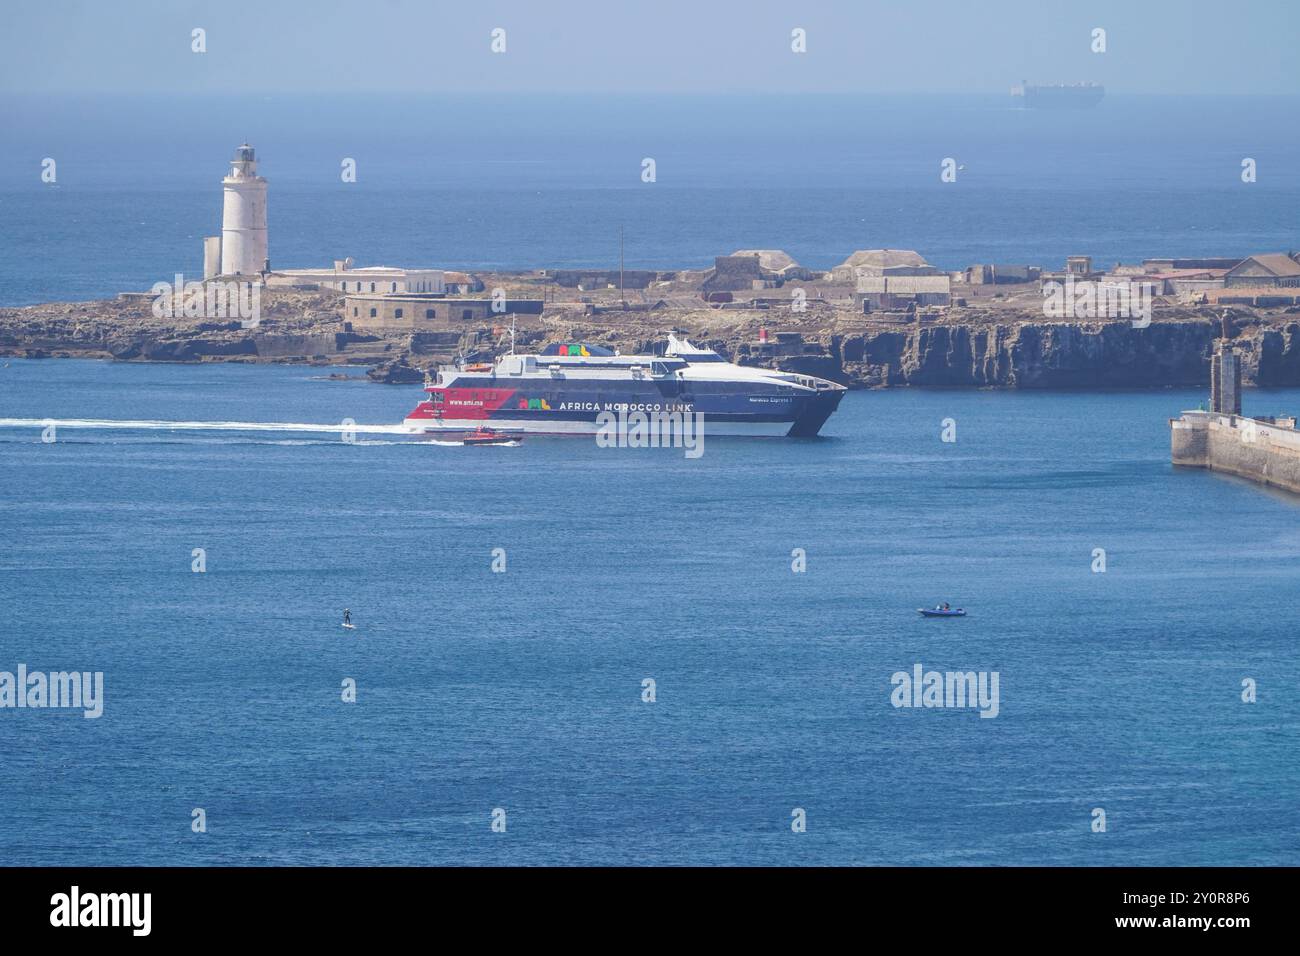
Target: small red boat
489,436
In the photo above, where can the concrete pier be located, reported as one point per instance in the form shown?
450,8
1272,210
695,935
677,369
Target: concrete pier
1266,450
1261,449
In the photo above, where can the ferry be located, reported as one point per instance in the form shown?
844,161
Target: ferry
564,389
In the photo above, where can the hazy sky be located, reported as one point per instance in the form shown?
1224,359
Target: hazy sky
702,46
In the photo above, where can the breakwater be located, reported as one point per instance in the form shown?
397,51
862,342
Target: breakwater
1263,450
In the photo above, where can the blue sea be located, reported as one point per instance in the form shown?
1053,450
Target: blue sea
522,690
542,181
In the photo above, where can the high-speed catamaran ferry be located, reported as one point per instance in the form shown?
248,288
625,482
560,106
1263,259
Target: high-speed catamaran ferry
562,390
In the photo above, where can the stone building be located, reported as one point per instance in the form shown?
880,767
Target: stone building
889,293
735,274
461,283
1274,270
1079,266
416,310
1001,274
879,262
589,279
777,264
1186,281
1175,265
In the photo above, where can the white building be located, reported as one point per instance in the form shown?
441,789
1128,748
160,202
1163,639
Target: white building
386,280
241,249
243,217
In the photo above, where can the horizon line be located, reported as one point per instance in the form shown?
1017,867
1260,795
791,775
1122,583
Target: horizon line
609,94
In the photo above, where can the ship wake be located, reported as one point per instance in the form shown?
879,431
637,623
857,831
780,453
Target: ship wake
157,425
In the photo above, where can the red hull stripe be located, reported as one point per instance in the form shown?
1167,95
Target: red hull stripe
464,403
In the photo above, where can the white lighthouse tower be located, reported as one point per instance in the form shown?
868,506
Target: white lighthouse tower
243,219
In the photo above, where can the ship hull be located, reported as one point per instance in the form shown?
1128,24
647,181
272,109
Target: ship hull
553,427
583,408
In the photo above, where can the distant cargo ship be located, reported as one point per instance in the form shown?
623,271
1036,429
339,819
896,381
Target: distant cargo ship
565,388
1058,96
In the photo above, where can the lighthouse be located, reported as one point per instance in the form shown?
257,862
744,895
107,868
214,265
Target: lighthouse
243,218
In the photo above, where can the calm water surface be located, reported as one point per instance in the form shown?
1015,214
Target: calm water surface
522,690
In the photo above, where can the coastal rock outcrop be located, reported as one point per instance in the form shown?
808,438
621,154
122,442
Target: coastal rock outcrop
995,344
1032,355
396,372
1044,355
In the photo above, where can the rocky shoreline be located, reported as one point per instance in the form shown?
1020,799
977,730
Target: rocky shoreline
1002,343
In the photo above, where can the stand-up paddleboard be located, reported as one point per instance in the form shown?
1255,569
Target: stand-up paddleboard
350,627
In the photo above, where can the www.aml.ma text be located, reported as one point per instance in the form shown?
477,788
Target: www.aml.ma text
77,690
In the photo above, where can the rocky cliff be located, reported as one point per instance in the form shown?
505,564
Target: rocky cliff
970,348
1046,355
